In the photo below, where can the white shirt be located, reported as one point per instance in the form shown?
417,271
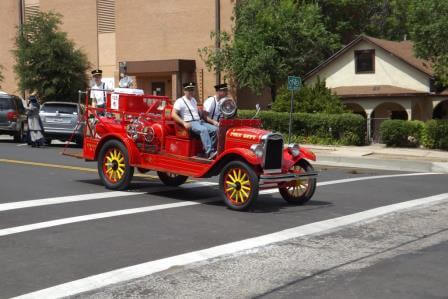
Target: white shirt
99,95
213,107
188,109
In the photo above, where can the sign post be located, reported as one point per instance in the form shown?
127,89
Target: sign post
294,84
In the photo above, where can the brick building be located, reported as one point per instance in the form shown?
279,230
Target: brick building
156,41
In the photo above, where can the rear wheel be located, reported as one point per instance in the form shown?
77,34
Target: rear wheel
48,141
113,166
299,191
171,179
239,185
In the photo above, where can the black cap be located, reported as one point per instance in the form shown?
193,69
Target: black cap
189,85
97,72
223,87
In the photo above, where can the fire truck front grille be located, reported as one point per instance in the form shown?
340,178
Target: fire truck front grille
273,152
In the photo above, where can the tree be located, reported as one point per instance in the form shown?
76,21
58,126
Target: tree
428,25
379,18
270,40
47,61
1,75
310,99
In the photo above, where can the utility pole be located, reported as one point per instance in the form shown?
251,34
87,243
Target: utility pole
218,34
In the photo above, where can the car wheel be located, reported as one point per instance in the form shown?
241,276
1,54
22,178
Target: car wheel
171,179
48,141
18,137
113,166
79,142
239,185
300,191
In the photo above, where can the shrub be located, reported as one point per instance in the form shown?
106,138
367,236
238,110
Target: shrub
402,133
435,134
309,99
344,129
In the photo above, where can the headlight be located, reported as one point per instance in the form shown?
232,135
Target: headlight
294,149
258,150
228,108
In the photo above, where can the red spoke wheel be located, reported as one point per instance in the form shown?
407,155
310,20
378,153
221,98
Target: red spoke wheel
239,185
171,179
113,166
299,191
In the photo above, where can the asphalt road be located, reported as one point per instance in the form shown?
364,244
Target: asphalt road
33,257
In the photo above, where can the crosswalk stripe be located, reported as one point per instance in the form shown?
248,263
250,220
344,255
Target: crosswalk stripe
144,269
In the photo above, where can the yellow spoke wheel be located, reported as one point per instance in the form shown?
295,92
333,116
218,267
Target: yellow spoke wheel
239,185
299,191
113,165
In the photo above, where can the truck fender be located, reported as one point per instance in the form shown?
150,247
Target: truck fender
133,152
231,155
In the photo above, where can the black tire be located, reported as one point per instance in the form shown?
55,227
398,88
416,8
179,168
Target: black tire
48,141
302,195
109,171
18,136
79,141
171,179
238,183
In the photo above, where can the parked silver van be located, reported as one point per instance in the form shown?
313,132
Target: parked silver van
13,119
61,120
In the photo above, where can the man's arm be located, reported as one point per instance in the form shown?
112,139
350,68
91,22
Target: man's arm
176,117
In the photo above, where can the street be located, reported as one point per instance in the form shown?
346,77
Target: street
45,245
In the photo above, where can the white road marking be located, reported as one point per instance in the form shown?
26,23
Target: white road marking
92,196
89,217
151,267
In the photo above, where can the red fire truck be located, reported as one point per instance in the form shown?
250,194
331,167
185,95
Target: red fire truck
137,131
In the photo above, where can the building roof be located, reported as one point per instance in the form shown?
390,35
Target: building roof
375,91
402,50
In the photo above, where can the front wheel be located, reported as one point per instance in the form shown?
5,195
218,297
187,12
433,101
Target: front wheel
239,185
171,179
113,166
299,191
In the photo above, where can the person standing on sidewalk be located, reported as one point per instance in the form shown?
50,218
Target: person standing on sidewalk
35,126
186,113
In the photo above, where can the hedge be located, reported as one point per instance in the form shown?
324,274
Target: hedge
436,134
344,129
402,133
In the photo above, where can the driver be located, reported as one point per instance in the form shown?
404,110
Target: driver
212,105
185,112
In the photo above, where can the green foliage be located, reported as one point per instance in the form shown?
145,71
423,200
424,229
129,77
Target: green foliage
309,99
1,75
47,61
380,18
436,134
271,40
402,133
344,129
428,25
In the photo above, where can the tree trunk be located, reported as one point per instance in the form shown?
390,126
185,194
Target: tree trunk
273,92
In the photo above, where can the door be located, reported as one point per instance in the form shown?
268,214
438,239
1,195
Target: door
158,88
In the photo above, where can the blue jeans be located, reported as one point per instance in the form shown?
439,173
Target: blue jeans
207,132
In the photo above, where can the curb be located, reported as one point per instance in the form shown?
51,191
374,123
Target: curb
371,163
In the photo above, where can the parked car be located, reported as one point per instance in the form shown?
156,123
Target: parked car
13,119
62,121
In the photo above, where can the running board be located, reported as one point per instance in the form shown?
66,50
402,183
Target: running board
285,177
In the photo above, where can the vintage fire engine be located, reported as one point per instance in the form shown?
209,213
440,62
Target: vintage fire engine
137,131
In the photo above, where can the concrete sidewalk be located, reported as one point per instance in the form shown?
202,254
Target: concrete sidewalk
379,156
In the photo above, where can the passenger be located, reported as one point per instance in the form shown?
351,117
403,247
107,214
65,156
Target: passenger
185,112
98,91
212,106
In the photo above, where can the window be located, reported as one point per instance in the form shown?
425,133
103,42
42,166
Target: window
61,108
365,61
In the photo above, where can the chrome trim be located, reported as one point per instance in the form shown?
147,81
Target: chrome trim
285,177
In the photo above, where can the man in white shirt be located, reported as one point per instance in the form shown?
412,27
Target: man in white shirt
185,112
98,90
212,105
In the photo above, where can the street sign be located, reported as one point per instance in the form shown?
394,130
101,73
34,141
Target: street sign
294,83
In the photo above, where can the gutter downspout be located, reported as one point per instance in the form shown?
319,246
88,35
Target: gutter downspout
218,33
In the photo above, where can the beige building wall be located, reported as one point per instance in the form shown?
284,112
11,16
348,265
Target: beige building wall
389,70
9,20
169,29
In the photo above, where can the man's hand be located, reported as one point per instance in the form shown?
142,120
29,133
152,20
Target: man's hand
187,125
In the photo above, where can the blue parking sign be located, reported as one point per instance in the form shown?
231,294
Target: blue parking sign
294,83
